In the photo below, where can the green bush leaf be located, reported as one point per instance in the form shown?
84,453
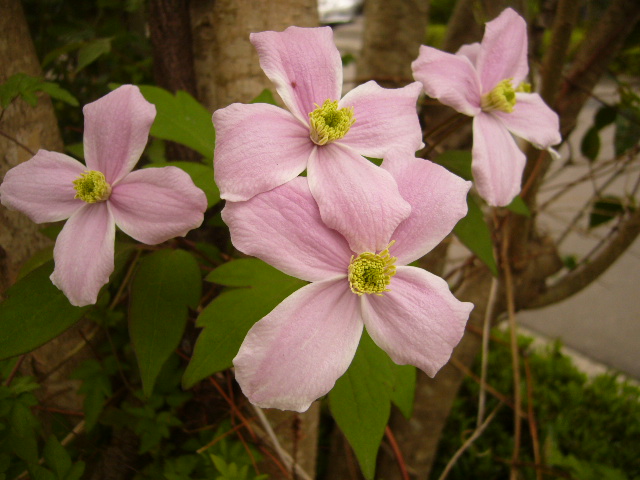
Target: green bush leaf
26,86
91,51
474,233
180,118
266,96
202,176
605,116
57,457
360,402
518,206
404,388
228,318
456,161
166,283
590,146
605,209
34,312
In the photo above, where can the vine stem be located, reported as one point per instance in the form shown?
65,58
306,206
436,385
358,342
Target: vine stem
486,329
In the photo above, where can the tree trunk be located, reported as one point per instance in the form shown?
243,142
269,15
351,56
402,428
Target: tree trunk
393,33
226,63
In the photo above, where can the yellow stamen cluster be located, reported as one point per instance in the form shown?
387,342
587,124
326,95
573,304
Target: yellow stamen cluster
92,187
371,273
329,123
502,98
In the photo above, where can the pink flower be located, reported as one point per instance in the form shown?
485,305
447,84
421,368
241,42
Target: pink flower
485,81
151,205
261,146
296,353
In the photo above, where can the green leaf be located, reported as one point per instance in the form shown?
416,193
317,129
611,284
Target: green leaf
202,176
228,318
605,116
166,283
360,402
605,209
181,119
40,473
518,206
474,233
404,388
56,91
456,161
91,51
627,129
590,146
266,96
57,457
34,312
96,387
26,86
76,471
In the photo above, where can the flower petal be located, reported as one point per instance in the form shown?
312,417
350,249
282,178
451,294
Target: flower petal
385,118
471,51
116,129
258,147
532,120
497,162
296,353
418,322
155,204
504,50
304,64
356,198
283,227
42,188
452,79
438,202
84,254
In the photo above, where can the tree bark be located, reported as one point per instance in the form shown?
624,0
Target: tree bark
33,127
393,33
226,63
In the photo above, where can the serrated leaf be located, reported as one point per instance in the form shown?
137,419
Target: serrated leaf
266,96
590,145
404,388
57,457
180,118
202,176
34,312
91,51
457,162
166,283
360,402
228,318
475,234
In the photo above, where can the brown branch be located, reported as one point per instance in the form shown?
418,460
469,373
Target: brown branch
582,276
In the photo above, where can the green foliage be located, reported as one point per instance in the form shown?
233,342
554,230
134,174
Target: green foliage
257,289
584,425
30,301
607,208
475,234
26,86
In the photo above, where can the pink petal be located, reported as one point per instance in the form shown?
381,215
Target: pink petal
304,64
155,204
497,162
438,202
116,128
42,188
385,118
356,198
471,51
296,353
504,50
84,254
452,79
258,147
418,322
532,120
283,227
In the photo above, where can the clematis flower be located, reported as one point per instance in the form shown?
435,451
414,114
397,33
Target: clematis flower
261,146
296,353
485,80
151,205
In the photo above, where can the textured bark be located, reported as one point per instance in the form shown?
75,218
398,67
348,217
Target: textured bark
170,31
226,63
393,33
34,127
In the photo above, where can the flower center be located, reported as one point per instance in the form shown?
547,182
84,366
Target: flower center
92,187
329,123
371,273
503,96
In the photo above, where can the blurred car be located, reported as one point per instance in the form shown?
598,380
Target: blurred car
338,11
